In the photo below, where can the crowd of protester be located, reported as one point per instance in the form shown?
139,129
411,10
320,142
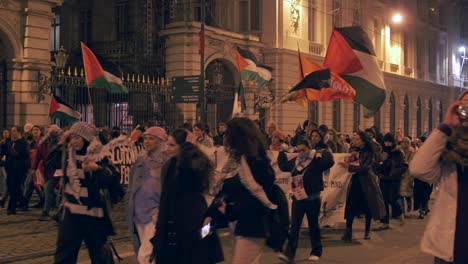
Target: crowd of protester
180,192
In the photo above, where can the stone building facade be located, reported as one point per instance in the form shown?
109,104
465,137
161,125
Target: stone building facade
419,57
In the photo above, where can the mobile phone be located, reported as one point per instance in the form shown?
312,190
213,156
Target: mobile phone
206,230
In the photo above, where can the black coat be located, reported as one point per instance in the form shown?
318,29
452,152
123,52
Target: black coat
242,206
17,160
183,203
364,195
391,172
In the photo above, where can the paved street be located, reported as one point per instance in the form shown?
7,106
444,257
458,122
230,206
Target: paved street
23,239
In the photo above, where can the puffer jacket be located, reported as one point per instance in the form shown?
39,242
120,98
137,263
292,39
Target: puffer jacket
439,236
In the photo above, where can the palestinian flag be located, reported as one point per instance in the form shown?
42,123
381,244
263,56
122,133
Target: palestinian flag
351,55
251,70
96,76
338,89
61,110
239,101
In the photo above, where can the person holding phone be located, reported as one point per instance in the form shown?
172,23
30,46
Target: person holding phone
181,236
443,160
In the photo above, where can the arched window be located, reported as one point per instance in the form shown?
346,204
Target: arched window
430,116
392,113
418,118
337,115
356,116
406,116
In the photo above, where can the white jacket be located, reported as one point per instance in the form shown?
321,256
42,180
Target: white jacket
439,237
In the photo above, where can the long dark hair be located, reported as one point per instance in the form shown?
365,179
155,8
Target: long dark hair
180,135
243,137
194,168
369,144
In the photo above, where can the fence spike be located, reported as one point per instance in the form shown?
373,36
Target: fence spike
81,72
163,81
75,72
138,80
69,71
133,77
159,81
143,79
128,77
154,82
148,79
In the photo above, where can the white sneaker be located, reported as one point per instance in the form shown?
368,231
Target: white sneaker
283,257
313,258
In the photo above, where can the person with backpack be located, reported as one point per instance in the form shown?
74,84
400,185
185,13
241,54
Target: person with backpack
88,176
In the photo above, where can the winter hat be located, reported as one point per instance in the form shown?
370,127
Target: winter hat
156,131
84,130
27,128
279,134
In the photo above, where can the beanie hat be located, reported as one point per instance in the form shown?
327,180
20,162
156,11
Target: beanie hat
279,134
156,131
84,130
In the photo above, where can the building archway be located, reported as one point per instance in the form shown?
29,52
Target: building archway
220,74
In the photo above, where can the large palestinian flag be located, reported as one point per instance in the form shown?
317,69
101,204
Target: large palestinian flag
96,76
61,110
351,55
250,69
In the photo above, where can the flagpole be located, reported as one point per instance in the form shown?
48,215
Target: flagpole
91,104
202,63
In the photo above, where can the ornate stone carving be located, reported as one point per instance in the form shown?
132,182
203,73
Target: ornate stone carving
295,15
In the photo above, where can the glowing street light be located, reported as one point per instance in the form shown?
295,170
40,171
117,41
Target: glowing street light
397,18
462,49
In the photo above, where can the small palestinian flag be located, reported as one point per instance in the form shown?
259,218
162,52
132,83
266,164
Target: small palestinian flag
239,101
250,69
351,55
96,76
61,110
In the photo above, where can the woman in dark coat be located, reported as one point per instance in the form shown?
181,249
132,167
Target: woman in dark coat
183,207
364,195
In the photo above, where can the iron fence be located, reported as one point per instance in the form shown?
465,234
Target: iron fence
148,99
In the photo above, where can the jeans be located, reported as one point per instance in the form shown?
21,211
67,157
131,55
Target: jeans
441,261
3,182
312,210
49,193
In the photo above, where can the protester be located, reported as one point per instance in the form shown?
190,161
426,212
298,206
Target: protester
364,194
221,131
144,191
31,180
17,164
4,143
278,138
317,140
422,192
307,180
390,172
202,133
271,127
86,213
50,177
246,179
342,146
407,182
442,160
179,238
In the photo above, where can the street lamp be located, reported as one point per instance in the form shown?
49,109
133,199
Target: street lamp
45,83
397,18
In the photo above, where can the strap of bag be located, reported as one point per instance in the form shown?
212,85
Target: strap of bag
114,250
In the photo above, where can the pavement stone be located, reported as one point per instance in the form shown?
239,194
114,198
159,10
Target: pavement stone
25,240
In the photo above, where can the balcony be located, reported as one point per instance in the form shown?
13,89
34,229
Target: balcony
316,49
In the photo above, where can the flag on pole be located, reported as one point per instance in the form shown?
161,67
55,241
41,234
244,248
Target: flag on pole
251,70
338,89
239,101
98,77
351,55
315,80
63,111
